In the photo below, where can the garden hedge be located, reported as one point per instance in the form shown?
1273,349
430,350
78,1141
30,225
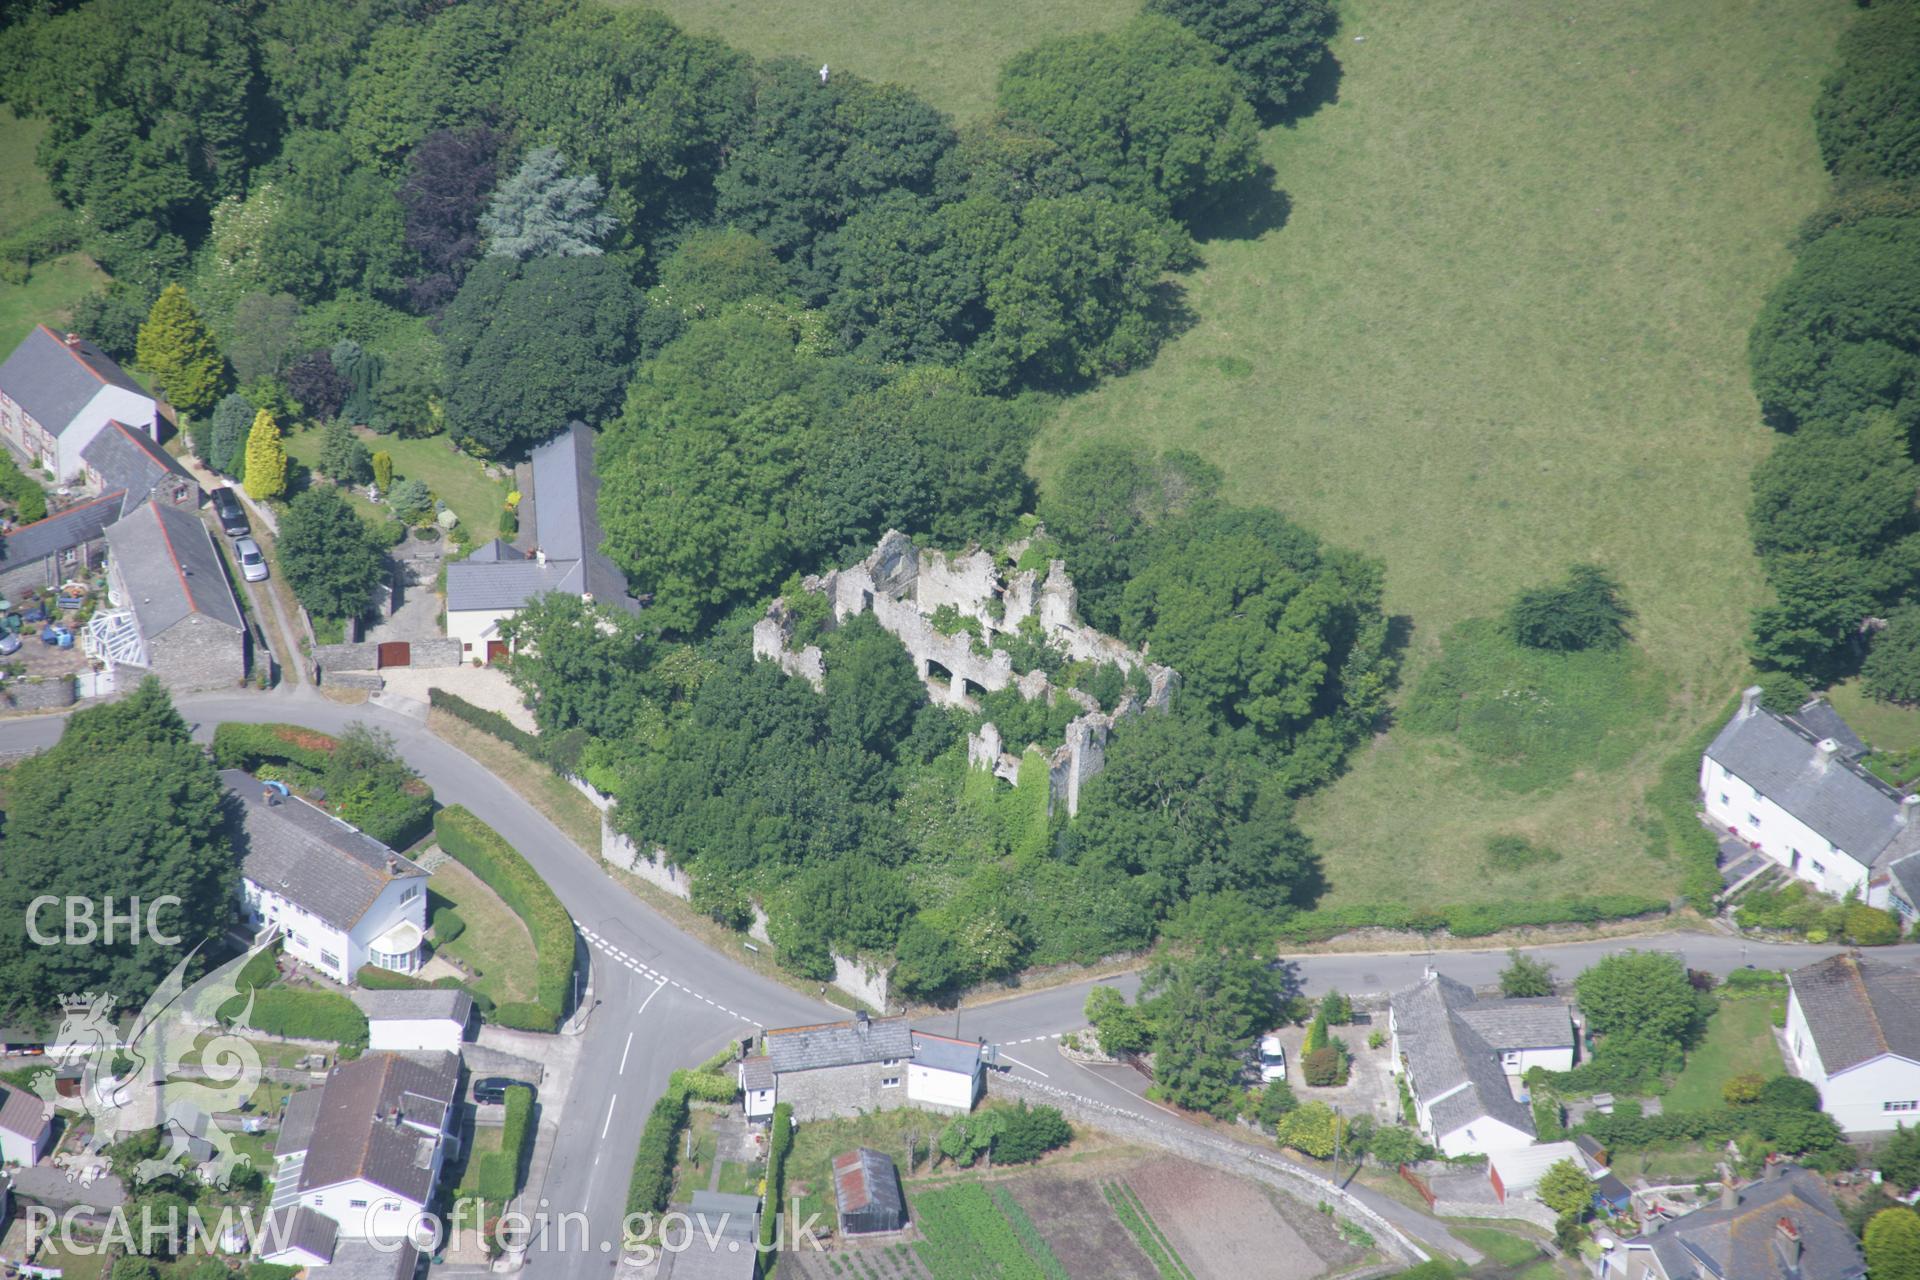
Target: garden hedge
395,816
499,1174
387,980
309,1015
561,752
1469,920
22,490
500,866
779,1143
652,1180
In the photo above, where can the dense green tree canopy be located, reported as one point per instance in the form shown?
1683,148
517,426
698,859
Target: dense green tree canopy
530,346
415,78
1206,1007
579,664
1892,1243
909,279
1846,488
543,211
1891,671
340,227
126,805
1868,113
328,554
1146,109
1640,992
1272,45
1584,610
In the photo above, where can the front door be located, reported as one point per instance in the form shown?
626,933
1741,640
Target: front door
496,650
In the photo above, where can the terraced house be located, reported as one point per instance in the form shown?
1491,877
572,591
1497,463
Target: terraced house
57,392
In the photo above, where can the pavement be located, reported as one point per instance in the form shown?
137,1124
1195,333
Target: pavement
661,999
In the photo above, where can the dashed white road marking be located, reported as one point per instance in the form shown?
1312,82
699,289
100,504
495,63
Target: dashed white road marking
646,970
609,1124
1030,1039
629,1049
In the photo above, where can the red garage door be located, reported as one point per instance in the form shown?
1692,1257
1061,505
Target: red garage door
395,653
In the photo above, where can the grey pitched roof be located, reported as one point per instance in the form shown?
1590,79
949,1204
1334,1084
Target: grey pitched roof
1533,1023
756,1073
838,1044
1747,1242
167,559
299,1227
310,857
82,522
722,1242
566,527
1834,795
448,1003
494,551
944,1053
361,1260
1905,873
296,1123
53,380
1818,718
1859,1008
1455,1070
22,1112
365,1125
130,459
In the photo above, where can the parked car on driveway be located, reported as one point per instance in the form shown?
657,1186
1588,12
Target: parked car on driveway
1273,1058
253,565
9,642
494,1088
228,510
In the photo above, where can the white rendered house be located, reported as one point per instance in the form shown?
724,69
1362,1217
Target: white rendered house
432,1021
340,898
866,1064
59,391
1853,1030
1793,788
1463,1058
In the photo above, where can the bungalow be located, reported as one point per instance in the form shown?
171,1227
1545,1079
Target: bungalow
1853,1030
358,1160
1463,1058
413,1021
1793,787
1784,1228
562,516
174,613
866,1064
340,898
58,391
26,1126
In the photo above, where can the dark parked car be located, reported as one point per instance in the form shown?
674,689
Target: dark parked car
227,509
494,1088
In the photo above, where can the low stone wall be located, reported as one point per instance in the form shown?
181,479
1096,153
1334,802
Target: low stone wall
371,681
1514,1209
365,655
653,868
1220,1153
39,695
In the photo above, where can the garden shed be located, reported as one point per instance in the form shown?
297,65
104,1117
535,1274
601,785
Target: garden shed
867,1188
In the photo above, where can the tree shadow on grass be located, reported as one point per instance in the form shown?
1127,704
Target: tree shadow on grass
1245,211
1321,90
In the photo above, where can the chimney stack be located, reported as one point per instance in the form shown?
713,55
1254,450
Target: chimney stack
540,557
1789,1241
1904,814
73,339
1826,749
1749,700
1729,1194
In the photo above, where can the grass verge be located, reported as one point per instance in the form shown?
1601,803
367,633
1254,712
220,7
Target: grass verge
495,946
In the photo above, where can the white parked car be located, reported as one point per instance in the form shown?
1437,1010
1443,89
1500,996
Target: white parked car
1273,1058
253,565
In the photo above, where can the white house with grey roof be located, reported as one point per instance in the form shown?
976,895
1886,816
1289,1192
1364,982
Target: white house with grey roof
58,391
1785,1227
864,1064
1853,1030
357,1162
434,1020
1794,789
340,898
1463,1058
562,537
173,610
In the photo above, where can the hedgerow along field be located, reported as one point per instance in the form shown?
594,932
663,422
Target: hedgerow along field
1503,329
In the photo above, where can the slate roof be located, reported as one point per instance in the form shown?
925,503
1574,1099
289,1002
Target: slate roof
756,1073
1746,1242
1455,1069
364,1127
300,1227
1540,1022
1818,718
838,1044
1836,796
22,1112
82,522
447,1003
130,459
296,1123
1858,1009
944,1053
53,381
721,1246
566,526
1905,873
167,560
310,857
361,1260
865,1179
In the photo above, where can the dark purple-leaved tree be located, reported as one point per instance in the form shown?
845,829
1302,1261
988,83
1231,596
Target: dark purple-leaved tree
449,176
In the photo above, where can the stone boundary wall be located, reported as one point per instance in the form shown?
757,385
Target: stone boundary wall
1233,1157
365,655
371,681
39,695
1514,1209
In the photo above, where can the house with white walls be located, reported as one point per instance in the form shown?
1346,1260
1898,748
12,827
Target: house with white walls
435,1020
1853,1030
863,1064
561,522
1794,789
340,898
1463,1058
357,1162
57,392
26,1126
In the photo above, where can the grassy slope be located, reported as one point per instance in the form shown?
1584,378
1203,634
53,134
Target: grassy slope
53,287
951,53
1503,329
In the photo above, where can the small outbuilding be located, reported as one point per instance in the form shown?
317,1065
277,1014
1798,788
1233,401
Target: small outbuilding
866,1187
434,1020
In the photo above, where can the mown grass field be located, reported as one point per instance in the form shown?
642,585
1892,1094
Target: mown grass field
1503,329
1739,1041
51,288
950,53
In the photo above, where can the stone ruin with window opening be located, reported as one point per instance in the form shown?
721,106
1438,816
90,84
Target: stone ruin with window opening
903,586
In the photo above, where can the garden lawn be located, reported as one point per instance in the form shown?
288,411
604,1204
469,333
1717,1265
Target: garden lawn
495,944
52,287
486,1141
1502,329
1739,1041
456,479
950,53
1882,725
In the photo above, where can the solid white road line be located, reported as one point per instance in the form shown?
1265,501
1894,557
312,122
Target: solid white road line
1016,1062
637,1012
609,1124
624,1052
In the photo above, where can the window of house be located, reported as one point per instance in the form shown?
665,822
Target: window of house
299,940
356,1204
467,647
391,1206
330,960
1905,1104
1723,797
1753,819
1821,867
889,1082
890,1062
412,893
